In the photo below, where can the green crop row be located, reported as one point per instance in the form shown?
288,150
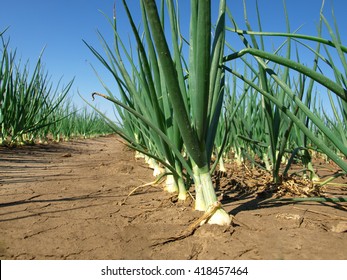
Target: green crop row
188,111
32,109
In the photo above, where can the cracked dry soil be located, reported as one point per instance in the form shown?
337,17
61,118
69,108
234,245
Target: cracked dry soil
63,201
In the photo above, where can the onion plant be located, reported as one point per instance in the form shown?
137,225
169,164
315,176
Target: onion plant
145,110
175,113
272,77
198,129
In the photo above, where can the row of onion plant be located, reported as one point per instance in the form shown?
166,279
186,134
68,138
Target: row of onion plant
265,132
174,103
248,140
26,100
33,109
171,104
289,106
69,122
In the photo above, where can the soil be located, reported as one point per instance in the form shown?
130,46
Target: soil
64,201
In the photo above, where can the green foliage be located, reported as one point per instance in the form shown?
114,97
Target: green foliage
177,107
292,118
32,109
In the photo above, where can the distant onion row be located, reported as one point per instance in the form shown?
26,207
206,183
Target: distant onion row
32,110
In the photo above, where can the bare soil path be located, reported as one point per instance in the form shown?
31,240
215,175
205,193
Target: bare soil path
62,201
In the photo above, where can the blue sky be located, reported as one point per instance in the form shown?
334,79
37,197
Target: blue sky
60,26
